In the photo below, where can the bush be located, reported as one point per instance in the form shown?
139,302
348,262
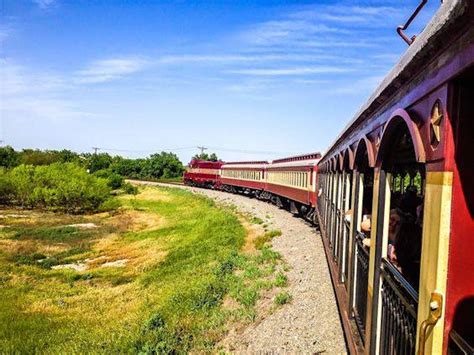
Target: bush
7,190
59,186
129,189
8,157
114,180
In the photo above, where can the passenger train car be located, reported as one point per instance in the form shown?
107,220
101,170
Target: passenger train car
394,198
244,177
397,204
291,182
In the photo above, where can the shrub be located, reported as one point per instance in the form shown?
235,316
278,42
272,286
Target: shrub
7,190
109,205
114,180
59,186
129,188
8,157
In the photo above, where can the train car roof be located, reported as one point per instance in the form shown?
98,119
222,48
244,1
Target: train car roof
310,156
194,162
290,164
438,31
245,165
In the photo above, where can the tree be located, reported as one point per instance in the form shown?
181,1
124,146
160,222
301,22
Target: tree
205,156
67,156
163,165
9,158
38,157
98,162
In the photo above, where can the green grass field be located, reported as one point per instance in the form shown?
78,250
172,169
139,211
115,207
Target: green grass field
168,272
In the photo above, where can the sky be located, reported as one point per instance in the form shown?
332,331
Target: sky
251,80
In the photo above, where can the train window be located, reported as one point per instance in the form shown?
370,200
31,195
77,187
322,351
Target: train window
402,181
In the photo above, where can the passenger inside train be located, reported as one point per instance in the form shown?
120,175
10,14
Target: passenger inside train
405,224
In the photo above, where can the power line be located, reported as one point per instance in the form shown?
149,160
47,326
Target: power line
244,151
147,150
201,148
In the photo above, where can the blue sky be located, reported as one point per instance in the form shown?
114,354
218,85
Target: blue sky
250,79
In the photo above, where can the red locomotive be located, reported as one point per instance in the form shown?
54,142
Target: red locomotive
203,173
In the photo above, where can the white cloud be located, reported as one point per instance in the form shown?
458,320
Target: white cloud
288,30
26,93
322,26
52,109
44,3
343,14
110,69
290,71
364,85
232,59
16,79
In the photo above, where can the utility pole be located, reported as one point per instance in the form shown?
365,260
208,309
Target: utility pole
202,149
95,150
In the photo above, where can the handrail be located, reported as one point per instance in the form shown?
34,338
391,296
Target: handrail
398,277
400,29
461,343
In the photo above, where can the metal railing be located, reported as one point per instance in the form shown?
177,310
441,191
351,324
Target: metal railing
399,307
346,232
331,224
361,279
458,345
337,235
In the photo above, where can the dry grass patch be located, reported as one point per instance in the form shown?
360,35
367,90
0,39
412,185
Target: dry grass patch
134,221
178,269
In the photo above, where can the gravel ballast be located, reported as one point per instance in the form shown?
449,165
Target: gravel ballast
310,323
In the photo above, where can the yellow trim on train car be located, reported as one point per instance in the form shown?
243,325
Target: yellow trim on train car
294,179
373,243
203,171
434,256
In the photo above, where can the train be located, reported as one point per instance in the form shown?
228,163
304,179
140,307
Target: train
288,182
393,197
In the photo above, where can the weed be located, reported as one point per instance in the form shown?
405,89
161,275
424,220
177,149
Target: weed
256,220
268,255
281,280
261,240
283,298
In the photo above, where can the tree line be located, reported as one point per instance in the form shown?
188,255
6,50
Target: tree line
75,183
157,166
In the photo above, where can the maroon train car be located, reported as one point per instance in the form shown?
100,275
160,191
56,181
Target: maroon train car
203,173
293,180
244,177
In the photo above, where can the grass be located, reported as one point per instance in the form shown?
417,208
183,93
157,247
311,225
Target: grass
183,279
264,239
282,298
256,220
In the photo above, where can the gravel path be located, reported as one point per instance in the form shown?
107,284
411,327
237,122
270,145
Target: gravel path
310,323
